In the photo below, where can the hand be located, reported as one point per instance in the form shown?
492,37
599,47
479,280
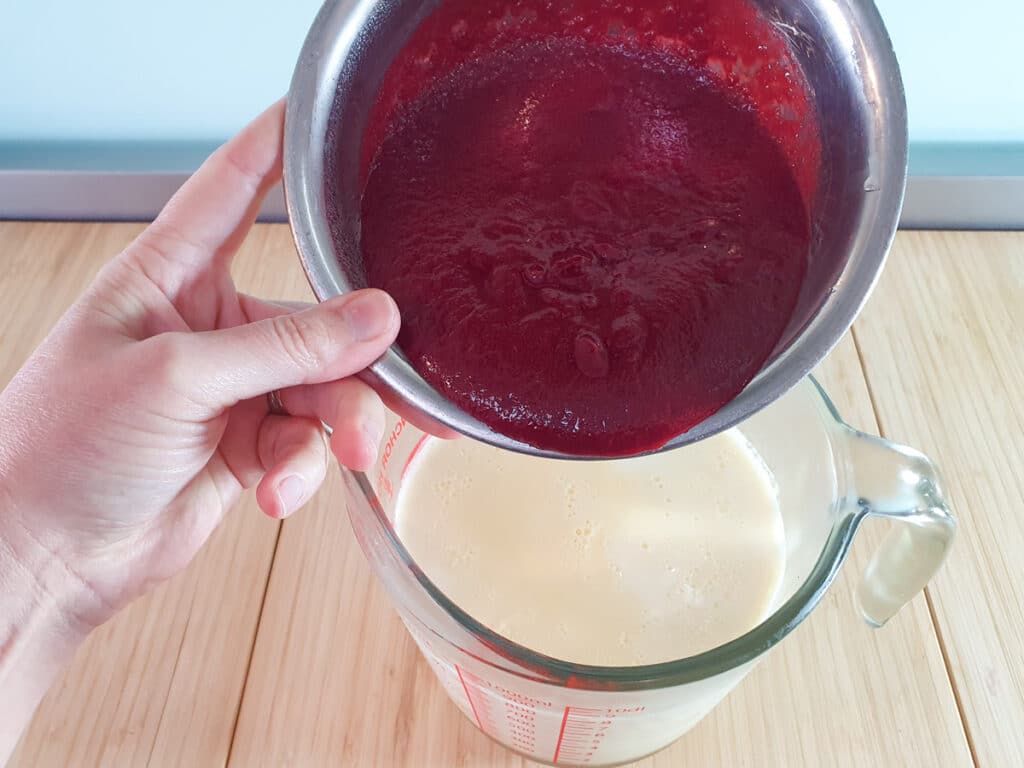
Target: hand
143,416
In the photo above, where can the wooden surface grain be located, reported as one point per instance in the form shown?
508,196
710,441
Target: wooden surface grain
277,647
943,347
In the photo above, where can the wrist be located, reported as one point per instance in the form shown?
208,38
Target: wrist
37,582
41,624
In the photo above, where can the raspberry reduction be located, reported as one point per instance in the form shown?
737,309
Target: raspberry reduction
594,247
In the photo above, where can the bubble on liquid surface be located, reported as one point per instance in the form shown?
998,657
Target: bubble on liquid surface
591,355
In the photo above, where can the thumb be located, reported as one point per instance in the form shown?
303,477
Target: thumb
328,341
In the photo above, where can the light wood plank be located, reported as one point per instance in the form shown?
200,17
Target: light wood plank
943,344
335,680
161,683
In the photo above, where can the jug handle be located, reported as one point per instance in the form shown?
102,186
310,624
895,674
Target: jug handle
901,484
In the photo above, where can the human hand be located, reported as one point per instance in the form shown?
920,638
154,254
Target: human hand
143,416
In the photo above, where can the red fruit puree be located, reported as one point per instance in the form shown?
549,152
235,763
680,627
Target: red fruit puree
595,243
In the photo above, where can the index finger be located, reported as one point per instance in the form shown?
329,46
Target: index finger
315,400
210,215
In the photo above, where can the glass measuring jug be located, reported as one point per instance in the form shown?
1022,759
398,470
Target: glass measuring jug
829,479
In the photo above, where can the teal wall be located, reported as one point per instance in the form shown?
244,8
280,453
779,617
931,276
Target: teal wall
197,70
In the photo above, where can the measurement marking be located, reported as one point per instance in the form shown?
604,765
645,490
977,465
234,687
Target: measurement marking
472,706
561,733
408,462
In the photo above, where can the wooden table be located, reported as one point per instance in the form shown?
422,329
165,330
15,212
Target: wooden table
278,648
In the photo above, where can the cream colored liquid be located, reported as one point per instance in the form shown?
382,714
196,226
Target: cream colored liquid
610,563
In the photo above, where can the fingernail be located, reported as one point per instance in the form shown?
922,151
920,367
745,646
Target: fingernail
292,492
369,315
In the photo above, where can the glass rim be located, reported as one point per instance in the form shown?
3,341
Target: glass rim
537,666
